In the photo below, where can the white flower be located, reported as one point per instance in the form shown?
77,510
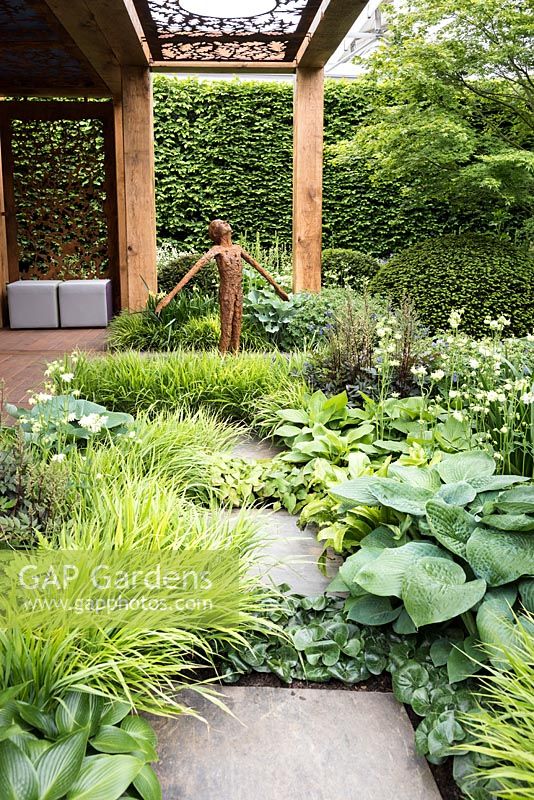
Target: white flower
504,429
437,375
492,396
93,422
420,371
498,457
455,318
527,398
75,393
71,417
31,401
67,376
58,457
42,397
474,363
454,393
458,415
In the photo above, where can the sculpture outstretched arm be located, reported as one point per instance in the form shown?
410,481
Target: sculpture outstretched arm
263,272
206,258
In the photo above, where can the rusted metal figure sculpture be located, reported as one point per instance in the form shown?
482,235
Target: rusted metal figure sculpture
228,257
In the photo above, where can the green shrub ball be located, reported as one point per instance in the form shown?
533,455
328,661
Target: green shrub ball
482,275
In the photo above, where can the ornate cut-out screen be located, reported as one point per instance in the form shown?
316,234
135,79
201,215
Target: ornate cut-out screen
176,34
60,198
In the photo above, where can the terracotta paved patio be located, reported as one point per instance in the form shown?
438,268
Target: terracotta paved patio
24,355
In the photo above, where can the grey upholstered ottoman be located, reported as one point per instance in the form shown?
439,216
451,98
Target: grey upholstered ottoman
85,304
33,304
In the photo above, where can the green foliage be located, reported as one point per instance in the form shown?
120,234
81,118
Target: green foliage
453,121
77,748
64,420
232,387
348,268
371,352
452,503
202,172
478,274
173,265
500,750
271,315
32,493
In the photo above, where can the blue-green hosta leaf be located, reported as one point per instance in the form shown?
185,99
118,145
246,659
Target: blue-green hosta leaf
371,610
465,466
104,777
526,591
287,431
422,477
18,779
384,575
350,568
509,522
494,483
500,557
59,765
495,623
517,500
147,784
401,496
356,492
451,526
337,585
434,590
457,494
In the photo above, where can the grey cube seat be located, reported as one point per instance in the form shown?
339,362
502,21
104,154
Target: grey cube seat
85,304
33,304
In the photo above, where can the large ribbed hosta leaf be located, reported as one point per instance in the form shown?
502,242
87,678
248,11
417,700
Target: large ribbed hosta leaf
500,557
451,526
434,590
384,575
463,466
401,496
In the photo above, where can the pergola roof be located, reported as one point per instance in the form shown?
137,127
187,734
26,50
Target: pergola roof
63,47
175,34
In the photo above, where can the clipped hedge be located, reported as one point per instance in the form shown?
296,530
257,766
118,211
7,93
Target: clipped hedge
224,149
348,268
481,274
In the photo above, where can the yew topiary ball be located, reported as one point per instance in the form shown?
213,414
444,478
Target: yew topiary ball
482,274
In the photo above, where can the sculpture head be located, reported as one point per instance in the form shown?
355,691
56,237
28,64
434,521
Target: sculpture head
219,230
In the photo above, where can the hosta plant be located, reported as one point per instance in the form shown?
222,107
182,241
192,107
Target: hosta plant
74,748
460,533
61,419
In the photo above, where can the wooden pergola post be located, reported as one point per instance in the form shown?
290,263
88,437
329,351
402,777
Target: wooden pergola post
308,122
4,257
136,211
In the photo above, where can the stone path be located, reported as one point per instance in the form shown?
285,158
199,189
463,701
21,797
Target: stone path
293,744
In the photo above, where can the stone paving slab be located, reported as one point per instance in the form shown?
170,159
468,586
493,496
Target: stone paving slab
293,744
290,555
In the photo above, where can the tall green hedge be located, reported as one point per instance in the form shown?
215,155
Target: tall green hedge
224,148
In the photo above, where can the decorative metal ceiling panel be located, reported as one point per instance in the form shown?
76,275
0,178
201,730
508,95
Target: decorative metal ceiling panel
36,53
176,34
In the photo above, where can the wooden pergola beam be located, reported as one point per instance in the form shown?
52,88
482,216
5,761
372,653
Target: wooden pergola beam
225,67
332,23
80,24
